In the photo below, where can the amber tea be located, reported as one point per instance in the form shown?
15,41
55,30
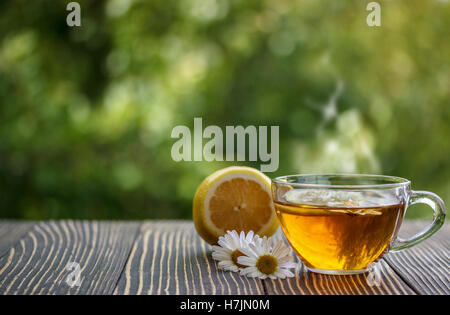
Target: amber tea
340,224
347,237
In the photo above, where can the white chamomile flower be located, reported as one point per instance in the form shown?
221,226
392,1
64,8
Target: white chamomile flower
260,260
230,248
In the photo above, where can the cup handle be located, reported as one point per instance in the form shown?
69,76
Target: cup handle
436,203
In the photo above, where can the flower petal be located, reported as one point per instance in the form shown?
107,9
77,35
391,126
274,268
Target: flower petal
241,236
220,257
225,263
266,245
235,239
248,271
218,249
249,238
233,268
277,248
280,249
225,244
248,251
288,265
287,272
257,249
246,261
280,274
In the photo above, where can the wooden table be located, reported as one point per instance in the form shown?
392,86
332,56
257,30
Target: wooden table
168,257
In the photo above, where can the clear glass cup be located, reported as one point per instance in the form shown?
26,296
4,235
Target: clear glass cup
340,224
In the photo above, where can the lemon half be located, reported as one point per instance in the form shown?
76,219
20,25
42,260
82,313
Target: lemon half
234,198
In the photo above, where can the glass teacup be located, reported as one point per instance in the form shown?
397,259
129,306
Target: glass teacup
340,224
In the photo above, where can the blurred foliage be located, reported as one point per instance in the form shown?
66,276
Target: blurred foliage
87,112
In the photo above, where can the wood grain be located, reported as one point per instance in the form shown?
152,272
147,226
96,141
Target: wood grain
308,283
425,267
10,233
170,258
37,263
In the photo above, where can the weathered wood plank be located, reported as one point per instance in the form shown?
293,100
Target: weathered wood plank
37,264
309,283
10,233
425,267
170,258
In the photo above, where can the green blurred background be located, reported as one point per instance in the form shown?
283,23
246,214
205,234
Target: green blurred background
87,112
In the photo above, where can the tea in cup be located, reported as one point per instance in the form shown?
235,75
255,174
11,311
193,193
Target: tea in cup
339,224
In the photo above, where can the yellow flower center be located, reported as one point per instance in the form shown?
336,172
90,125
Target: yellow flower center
235,255
267,264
